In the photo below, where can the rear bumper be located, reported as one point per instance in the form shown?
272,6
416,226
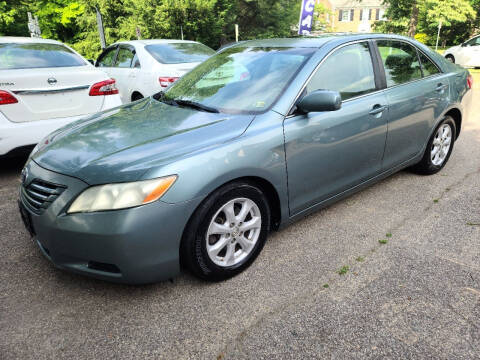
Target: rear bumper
137,245
14,135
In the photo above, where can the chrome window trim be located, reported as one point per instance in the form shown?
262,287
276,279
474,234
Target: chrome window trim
49,91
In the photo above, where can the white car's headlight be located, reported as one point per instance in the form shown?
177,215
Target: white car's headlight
122,195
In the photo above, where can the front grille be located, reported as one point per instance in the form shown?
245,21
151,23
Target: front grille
39,194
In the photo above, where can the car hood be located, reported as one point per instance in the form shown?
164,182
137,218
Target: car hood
123,143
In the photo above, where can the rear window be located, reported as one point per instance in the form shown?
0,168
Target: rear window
177,53
39,55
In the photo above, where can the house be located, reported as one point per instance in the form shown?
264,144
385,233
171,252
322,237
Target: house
351,15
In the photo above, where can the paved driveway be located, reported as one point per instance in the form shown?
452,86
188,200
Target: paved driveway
417,296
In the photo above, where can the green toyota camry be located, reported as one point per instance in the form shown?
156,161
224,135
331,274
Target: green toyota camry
257,136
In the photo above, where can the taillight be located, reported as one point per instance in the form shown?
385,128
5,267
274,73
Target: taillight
165,81
7,98
101,88
469,81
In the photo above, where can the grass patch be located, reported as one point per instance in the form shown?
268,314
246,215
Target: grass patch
435,201
388,235
343,270
325,286
383,241
473,224
360,259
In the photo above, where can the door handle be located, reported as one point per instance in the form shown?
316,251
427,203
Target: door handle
377,109
441,87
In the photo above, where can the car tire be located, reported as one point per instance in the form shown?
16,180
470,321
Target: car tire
437,152
136,96
450,58
217,254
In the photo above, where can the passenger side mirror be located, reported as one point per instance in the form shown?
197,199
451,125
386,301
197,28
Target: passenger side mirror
320,100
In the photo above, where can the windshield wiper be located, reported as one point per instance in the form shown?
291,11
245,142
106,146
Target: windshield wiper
160,96
196,105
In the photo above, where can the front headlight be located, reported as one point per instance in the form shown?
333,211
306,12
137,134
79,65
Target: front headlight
122,195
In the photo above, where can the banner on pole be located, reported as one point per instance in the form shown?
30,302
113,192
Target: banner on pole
103,43
306,17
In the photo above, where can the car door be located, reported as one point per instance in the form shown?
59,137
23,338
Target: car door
414,100
124,72
106,60
330,152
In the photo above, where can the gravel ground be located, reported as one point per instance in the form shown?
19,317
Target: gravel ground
417,296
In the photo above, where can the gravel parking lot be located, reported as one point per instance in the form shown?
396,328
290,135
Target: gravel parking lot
415,296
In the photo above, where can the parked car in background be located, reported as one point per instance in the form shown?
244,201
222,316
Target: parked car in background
466,54
44,85
145,67
257,136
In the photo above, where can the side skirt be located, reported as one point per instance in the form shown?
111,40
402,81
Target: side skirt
351,191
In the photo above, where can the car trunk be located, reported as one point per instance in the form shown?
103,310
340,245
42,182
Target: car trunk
46,93
176,70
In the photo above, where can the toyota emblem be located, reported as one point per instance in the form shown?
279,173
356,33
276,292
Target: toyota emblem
52,81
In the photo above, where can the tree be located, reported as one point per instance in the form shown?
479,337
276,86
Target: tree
208,21
459,18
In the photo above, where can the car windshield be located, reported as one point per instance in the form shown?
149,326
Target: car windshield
178,53
37,55
240,79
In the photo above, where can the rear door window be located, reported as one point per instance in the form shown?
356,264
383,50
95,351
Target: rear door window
428,67
400,61
124,58
37,55
106,59
349,70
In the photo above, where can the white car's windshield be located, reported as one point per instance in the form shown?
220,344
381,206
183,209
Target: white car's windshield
240,79
37,55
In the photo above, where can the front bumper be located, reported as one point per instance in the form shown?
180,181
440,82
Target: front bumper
137,245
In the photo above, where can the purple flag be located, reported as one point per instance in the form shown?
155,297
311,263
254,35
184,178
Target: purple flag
306,17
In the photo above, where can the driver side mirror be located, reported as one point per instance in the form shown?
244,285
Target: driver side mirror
320,100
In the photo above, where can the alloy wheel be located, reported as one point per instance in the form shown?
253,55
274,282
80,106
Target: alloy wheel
441,145
233,232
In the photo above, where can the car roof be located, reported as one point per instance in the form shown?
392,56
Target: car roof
20,39
153,41
317,41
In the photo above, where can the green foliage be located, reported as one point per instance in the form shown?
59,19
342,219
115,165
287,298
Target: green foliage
459,19
320,22
208,21
423,38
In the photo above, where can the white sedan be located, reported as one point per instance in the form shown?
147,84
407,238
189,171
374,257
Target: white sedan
44,85
466,54
145,67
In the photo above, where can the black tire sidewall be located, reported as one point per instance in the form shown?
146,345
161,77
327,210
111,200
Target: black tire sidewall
195,248
137,96
448,57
